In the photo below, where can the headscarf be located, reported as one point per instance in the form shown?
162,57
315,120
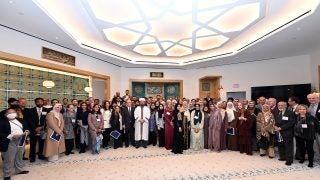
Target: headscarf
230,112
197,113
222,111
56,114
267,115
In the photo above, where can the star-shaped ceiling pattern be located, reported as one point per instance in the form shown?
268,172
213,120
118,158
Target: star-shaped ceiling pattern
173,28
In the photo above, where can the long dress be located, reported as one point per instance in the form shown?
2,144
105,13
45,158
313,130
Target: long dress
206,129
244,133
178,141
168,129
186,130
215,127
233,139
196,138
141,129
223,136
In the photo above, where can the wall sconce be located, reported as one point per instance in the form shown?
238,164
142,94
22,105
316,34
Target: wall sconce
88,89
220,88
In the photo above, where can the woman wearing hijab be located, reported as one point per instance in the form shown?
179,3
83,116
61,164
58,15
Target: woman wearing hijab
177,147
206,113
12,132
168,119
55,124
160,125
185,125
197,121
265,131
232,138
244,126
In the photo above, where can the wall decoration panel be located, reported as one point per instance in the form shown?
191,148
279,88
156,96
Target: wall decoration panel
24,82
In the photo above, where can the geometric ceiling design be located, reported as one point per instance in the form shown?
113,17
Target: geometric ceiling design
173,27
173,32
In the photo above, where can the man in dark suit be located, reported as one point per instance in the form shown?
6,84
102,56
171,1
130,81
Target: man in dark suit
12,103
284,124
36,117
128,122
314,110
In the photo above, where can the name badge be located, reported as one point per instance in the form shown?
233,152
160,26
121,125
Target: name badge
44,113
319,111
168,113
98,120
285,118
196,117
73,120
304,125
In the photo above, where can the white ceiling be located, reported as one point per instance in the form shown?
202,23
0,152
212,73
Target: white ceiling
297,38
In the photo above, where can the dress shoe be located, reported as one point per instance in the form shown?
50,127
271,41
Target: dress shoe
281,159
7,178
301,161
288,163
271,157
32,160
24,158
310,165
23,172
71,152
144,146
41,157
262,155
137,147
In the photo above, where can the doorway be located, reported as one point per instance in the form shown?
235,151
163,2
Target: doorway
211,85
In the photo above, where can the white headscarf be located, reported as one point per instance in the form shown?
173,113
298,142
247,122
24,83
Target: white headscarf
57,114
230,112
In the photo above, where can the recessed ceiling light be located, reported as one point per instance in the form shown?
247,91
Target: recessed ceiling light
11,2
56,37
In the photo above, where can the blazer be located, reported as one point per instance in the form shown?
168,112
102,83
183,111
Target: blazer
93,123
286,123
5,130
33,119
128,117
310,131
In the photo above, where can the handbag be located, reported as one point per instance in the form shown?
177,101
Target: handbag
263,143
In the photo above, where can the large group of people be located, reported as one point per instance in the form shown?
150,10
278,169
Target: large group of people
173,124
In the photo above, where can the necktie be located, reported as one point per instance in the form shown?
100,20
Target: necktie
39,115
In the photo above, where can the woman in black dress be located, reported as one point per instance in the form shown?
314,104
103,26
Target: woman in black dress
178,131
116,125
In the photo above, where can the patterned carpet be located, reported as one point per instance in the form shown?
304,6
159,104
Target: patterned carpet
158,163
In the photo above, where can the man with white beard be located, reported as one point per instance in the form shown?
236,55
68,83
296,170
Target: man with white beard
141,115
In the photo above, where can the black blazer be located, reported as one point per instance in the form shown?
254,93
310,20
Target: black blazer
5,130
114,121
318,118
128,117
287,126
33,119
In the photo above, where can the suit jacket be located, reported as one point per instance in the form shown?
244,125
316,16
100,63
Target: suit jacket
5,130
287,126
317,116
128,117
33,119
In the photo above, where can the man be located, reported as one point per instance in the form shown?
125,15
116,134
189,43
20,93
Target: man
235,102
254,113
272,102
128,122
314,110
115,97
74,102
22,105
46,103
293,104
284,123
36,121
141,115
260,102
208,99
192,106
97,101
64,105
126,96
245,104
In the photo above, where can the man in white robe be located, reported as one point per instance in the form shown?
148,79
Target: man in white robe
141,116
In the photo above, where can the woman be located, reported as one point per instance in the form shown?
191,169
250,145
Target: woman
168,131
224,127
232,138
178,145
206,126
116,125
185,125
196,136
12,132
55,125
82,119
244,126
305,132
265,131
95,122
215,128
106,113
69,122
152,125
160,125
